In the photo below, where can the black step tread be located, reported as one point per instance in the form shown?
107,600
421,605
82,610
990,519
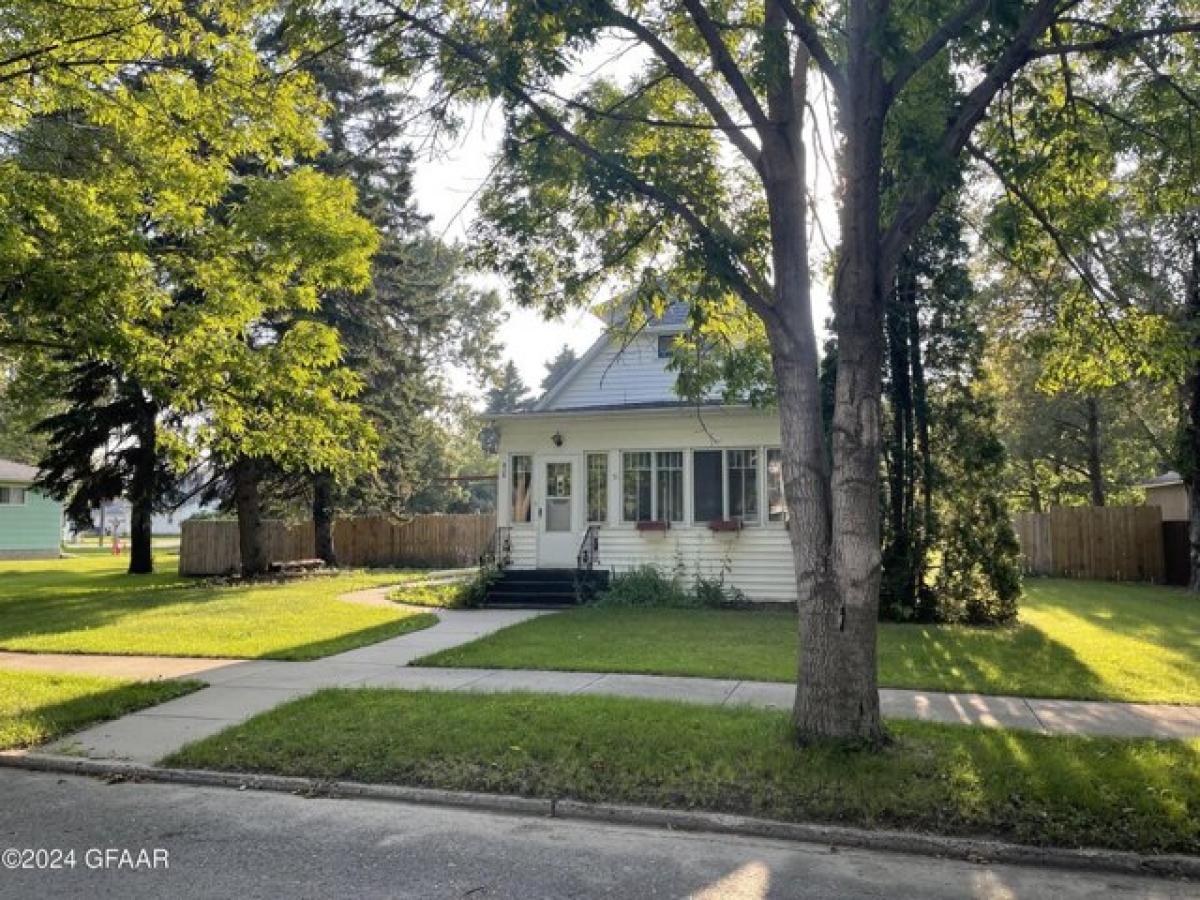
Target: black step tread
513,604
564,596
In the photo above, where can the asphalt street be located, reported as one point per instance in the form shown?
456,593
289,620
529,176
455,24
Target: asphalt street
132,840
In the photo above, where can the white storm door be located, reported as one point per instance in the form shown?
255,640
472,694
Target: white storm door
558,538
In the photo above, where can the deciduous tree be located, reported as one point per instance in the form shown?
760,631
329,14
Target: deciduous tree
690,178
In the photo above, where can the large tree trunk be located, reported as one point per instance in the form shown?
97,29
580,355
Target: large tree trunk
838,694
143,494
1035,491
251,539
831,686
1095,460
324,513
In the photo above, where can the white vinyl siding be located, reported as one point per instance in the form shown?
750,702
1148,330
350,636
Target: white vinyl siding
756,560
634,374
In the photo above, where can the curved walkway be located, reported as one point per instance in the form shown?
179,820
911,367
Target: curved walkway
240,689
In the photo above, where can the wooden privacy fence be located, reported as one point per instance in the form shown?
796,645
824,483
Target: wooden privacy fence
1111,543
210,546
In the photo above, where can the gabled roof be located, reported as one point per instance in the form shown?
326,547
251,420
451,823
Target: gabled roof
674,318
616,313
18,472
572,373
1163,480
642,406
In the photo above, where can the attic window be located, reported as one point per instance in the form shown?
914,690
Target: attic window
666,345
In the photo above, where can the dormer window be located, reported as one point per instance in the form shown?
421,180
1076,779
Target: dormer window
666,345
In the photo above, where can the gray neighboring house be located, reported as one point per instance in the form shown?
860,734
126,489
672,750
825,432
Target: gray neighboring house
30,521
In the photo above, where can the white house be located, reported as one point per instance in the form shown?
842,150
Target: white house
612,460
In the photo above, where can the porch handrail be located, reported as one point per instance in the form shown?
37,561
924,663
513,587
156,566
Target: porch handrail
500,552
589,549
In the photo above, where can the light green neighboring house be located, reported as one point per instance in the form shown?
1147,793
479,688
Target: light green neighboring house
30,522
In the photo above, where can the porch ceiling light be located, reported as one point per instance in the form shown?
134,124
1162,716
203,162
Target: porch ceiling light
556,439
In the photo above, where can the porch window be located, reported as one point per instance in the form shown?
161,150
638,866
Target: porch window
741,467
637,492
597,488
776,504
708,500
522,488
725,485
12,496
668,492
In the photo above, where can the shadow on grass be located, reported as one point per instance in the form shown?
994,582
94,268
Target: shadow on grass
46,614
25,722
1167,616
49,609
1016,659
352,640
950,779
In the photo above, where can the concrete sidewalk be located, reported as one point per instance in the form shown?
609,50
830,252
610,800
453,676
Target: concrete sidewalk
240,689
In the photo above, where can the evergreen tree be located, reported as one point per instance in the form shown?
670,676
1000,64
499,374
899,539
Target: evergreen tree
949,553
106,445
558,367
418,318
509,393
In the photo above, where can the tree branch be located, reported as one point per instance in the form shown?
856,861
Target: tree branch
751,286
921,200
1119,41
949,30
807,33
723,62
689,79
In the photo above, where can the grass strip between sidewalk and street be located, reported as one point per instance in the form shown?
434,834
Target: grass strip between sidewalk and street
1139,795
36,707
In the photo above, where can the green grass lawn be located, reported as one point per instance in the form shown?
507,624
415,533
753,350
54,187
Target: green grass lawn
441,596
88,604
1142,795
1076,639
36,707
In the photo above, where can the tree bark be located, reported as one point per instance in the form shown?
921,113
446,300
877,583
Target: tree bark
1095,461
1035,492
838,694
835,681
251,539
324,513
143,495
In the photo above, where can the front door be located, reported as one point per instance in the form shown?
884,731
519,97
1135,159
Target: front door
558,542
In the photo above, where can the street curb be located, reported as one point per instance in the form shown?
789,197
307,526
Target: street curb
976,850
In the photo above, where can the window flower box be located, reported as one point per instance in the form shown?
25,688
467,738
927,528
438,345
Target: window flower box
725,525
653,526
